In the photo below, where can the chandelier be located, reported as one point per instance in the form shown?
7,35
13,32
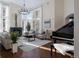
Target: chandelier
24,10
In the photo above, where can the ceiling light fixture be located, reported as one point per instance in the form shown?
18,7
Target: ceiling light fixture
24,10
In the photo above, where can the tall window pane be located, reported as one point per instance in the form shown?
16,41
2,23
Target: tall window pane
4,18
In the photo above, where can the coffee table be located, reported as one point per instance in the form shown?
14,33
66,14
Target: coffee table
30,36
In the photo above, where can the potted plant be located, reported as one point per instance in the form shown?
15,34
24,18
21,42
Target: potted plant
28,27
14,39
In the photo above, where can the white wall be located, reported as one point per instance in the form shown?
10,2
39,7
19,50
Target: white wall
7,17
48,13
68,7
76,28
59,14
58,10
1,25
37,19
14,9
54,10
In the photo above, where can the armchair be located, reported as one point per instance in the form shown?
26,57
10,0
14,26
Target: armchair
5,40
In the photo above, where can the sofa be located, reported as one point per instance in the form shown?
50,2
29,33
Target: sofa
45,35
5,40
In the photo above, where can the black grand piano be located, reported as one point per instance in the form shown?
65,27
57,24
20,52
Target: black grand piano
66,33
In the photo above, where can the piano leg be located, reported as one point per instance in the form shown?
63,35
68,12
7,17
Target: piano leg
51,50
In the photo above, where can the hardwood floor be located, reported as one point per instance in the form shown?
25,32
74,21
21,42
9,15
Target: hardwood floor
42,52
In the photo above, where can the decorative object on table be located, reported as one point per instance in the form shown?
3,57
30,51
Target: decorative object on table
14,39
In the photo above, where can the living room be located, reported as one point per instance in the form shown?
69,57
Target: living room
36,23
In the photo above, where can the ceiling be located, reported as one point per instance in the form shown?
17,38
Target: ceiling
29,3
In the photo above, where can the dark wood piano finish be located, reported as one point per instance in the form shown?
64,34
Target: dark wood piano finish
66,33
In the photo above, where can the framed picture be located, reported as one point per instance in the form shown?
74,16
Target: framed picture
47,23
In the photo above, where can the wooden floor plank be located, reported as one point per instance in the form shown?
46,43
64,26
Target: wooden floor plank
42,52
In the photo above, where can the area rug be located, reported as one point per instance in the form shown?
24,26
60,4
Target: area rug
28,46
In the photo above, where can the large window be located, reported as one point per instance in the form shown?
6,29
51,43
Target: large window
4,18
25,19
